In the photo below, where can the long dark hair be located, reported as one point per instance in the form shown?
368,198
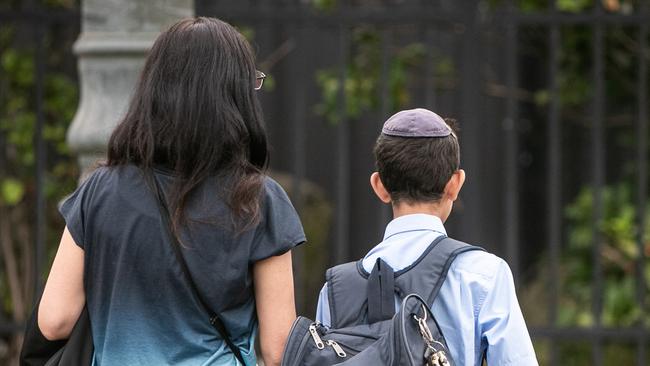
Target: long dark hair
194,111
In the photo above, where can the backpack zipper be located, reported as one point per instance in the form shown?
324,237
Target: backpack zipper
316,337
339,351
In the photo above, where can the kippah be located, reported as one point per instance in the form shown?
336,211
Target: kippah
417,122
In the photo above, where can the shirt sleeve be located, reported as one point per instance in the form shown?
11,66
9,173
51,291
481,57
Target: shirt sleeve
323,308
280,229
75,209
502,324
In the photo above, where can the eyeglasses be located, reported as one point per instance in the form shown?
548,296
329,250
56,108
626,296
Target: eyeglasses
259,79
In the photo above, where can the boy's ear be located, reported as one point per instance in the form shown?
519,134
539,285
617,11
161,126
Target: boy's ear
378,187
455,184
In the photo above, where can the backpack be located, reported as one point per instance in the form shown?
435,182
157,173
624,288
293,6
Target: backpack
364,327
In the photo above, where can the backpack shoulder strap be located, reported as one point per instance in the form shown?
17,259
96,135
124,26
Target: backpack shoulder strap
427,274
347,284
346,294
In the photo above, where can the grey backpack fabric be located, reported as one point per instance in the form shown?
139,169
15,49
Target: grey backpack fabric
364,327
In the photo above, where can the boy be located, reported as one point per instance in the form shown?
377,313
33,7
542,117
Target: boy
417,157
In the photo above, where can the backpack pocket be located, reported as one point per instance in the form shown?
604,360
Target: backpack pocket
412,337
297,341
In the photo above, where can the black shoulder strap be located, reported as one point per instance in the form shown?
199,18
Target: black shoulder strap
215,319
426,276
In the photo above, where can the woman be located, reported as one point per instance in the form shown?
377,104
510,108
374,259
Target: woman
194,125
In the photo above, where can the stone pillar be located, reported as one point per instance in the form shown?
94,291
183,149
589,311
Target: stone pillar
115,37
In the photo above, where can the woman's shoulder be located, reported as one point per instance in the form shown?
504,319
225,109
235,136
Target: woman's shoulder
104,173
106,179
280,228
93,177
272,187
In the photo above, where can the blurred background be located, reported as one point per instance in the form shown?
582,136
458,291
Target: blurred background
551,98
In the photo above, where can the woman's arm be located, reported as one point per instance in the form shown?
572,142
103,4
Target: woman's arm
276,308
64,296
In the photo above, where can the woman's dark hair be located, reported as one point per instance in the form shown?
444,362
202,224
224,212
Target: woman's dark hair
194,111
417,169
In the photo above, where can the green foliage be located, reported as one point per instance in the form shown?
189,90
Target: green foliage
363,84
619,252
18,123
11,191
18,118
531,6
324,5
568,6
573,6
575,63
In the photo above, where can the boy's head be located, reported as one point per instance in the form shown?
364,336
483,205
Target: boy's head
418,164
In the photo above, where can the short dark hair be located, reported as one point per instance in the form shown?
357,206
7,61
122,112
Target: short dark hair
417,169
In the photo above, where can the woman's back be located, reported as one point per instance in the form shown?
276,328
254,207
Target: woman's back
194,111
141,308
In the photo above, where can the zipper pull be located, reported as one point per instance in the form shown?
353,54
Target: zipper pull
339,351
316,337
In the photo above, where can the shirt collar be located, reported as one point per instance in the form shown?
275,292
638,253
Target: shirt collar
414,222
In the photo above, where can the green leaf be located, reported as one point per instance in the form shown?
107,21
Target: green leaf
573,6
324,5
12,191
541,97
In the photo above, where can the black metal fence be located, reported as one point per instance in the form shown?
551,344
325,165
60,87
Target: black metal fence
35,31
501,68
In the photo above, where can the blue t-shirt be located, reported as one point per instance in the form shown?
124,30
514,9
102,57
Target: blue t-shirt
142,311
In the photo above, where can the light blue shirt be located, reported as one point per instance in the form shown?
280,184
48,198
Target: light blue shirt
477,307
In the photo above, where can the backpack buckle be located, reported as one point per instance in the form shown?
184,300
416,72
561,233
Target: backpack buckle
424,328
432,356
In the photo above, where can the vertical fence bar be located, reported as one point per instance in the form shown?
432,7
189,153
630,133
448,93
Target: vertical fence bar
199,8
430,97
39,65
511,195
472,219
427,86
598,171
385,212
343,157
299,153
5,324
554,184
642,183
